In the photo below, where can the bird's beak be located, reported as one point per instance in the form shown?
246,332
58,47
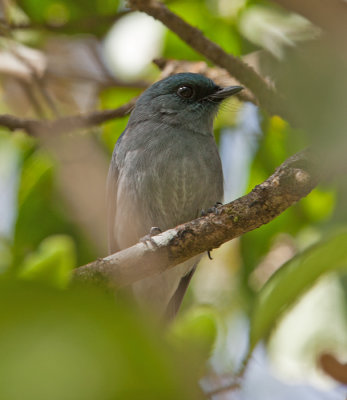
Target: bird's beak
226,92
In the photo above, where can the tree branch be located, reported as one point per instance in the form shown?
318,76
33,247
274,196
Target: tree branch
73,122
294,179
267,97
65,124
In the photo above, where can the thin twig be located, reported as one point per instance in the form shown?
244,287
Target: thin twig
65,124
222,389
38,80
30,94
333,367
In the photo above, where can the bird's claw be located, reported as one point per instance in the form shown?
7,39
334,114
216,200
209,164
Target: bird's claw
215,210
148,238
155,231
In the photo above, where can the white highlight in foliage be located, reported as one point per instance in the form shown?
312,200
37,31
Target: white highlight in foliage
132,44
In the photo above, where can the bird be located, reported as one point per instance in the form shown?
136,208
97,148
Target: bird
165,170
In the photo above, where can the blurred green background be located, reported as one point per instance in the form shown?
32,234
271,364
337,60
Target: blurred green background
280,289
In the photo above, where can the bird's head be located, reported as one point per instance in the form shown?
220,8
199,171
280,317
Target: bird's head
187,99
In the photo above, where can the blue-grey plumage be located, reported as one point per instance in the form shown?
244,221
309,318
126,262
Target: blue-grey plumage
165,170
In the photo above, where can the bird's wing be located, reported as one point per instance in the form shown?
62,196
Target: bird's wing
111,199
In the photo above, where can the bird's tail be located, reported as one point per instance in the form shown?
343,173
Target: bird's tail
176,300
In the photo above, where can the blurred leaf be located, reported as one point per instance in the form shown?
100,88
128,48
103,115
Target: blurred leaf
41,10
216,28
40,212
274,28
38,168
319,205
5,255
79,14
276,145
196,329
20,139
293,279
52,263
82,345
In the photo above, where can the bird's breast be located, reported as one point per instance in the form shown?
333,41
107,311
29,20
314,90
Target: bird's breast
177,178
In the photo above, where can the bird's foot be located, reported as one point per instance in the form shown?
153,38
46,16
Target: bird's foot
155,231
215,210
148,238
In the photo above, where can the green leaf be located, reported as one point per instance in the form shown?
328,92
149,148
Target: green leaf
42,10
52,263
41,211
319,205
197,328
216,28
81,344
75,16
275,146
5,255
293,279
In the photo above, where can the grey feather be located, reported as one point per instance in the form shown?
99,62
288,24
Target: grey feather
165,169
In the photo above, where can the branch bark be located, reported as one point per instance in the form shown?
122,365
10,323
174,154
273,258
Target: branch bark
294,179
267,97
65,124
74,122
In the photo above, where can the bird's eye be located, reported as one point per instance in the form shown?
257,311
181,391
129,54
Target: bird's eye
186,92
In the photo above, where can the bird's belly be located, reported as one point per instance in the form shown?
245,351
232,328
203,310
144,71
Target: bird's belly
176,194
166,186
